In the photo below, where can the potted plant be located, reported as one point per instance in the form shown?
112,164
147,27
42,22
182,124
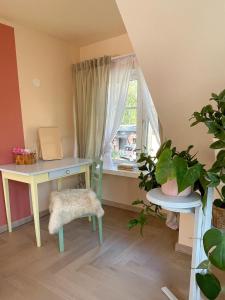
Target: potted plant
208,279
213,116
175,172
170,165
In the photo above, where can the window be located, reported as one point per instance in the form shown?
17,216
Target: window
124,143
135,133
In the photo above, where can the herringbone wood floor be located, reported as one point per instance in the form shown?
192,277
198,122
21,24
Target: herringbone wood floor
125,267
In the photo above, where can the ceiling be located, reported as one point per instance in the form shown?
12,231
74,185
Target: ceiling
79,21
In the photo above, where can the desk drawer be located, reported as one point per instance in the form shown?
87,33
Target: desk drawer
63,172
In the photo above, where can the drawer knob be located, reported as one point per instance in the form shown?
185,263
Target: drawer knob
67,171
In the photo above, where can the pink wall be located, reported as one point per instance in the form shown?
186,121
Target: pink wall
11,129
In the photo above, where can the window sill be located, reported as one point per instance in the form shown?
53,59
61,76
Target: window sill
113,170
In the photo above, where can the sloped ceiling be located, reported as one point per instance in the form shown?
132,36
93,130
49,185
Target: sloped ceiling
181,49
79,21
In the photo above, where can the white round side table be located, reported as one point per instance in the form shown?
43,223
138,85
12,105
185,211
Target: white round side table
191,203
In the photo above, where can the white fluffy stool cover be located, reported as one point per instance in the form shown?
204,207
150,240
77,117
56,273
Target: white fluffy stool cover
68,205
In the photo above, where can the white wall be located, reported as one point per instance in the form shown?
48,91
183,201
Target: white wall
48,59
181,50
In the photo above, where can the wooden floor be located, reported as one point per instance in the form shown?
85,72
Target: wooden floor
125,267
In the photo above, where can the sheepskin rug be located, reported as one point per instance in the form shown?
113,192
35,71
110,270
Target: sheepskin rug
71,204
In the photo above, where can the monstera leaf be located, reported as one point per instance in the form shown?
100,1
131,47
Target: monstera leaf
209,285
214,245
186,176
165,168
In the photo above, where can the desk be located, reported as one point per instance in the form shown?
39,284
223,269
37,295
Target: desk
35,174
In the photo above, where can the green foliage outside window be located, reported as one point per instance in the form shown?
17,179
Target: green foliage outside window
130,113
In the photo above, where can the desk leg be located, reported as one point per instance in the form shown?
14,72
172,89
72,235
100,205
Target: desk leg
59,184
5,183
34,198
194,293
87,178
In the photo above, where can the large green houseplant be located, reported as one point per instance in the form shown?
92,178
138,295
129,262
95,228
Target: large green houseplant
213,116
156,170
168,164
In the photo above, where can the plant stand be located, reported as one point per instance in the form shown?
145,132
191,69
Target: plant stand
190,204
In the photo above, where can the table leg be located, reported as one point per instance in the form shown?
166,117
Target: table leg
194,293
34,198
5,183
59,184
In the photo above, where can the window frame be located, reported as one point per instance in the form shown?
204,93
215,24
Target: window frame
141,124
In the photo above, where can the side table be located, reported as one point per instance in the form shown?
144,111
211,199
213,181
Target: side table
189,204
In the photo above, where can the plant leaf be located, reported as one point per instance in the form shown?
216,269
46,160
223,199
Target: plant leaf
165,145
222,177
214,245
211,238
218,203
181,169
204,265
223,191
165,168
137,202
192,174
209,285
132,223
214,179
218,145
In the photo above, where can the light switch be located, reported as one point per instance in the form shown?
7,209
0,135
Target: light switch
36,82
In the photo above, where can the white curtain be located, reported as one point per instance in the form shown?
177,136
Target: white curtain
90,80
119,77
148,105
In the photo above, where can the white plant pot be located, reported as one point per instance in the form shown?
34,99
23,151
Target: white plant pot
170,188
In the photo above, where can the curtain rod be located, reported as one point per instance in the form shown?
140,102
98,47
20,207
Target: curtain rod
122,56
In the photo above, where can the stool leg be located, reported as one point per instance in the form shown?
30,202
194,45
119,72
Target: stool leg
61,240
93,223
100,234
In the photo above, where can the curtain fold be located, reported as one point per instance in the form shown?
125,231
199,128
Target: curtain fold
90,79
151,115
119,77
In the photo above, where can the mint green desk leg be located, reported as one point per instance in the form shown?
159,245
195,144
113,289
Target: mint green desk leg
87,182
100,230
61,240
93,223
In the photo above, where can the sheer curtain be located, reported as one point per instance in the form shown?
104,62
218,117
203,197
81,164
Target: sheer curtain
150,115
90,79
119,77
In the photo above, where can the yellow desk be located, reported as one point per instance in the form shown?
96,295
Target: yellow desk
40,172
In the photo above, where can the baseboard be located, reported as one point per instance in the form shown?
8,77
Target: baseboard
46,212
22,221
121,205
183,249
17,223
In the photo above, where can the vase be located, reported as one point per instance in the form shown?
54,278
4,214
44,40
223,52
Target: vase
170,188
